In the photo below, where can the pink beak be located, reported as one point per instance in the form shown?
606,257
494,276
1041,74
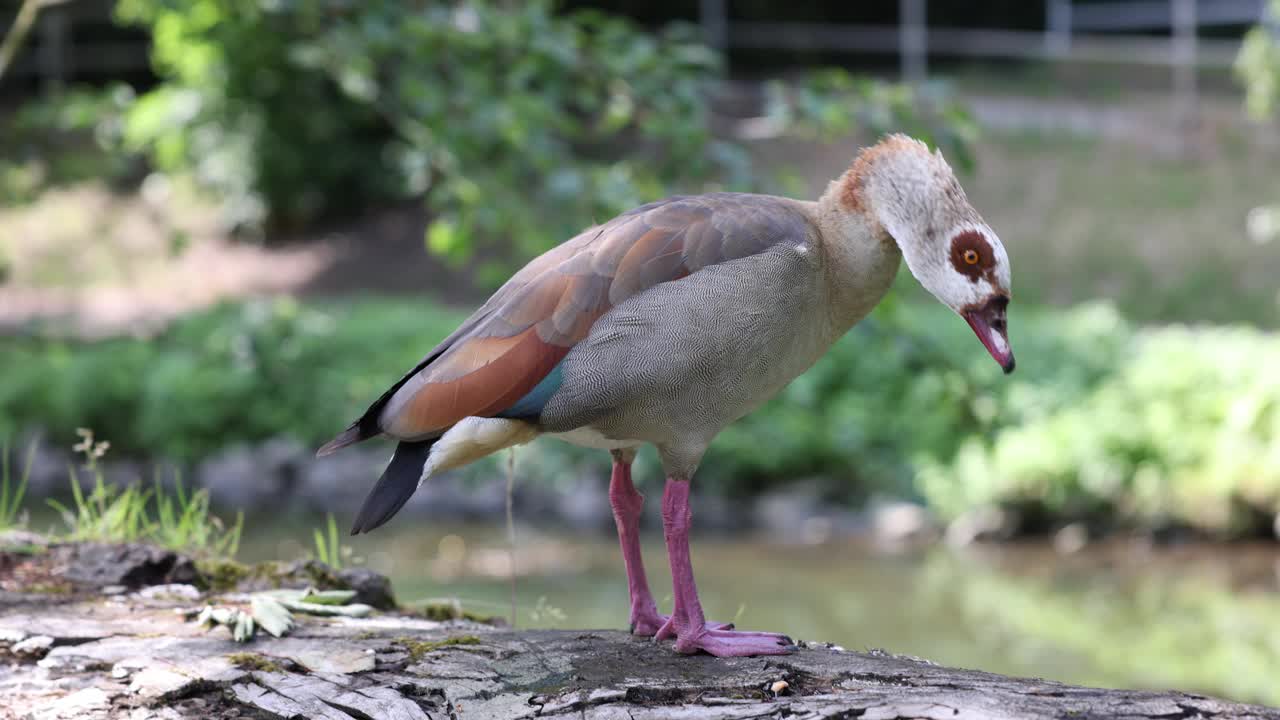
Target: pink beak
990,325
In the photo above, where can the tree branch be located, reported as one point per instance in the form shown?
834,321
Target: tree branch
17,34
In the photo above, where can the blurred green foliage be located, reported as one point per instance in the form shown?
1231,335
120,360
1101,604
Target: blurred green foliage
1174,427
69,137
911,384
1183,430
237,373
1258,65
519,124
170,517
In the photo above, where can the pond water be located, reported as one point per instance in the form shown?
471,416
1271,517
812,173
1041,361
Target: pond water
1197,618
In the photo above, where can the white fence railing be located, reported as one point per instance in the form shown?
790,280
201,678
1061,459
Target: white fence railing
1074,32
1159,14
1088,32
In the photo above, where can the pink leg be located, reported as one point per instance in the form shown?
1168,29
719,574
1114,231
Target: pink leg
692,633
627,503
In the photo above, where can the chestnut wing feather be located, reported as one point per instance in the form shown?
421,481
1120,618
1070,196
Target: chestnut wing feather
527,327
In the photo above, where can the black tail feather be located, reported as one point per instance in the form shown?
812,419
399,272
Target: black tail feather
350,436
395,487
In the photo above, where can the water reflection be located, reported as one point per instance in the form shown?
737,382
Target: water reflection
1120,614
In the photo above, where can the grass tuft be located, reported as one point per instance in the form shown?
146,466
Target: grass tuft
177,519
11,492
184,521
106,513
329,549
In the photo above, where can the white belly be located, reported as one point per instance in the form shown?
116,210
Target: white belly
590,438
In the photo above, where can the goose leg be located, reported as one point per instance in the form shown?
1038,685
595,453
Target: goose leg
627,504
690,625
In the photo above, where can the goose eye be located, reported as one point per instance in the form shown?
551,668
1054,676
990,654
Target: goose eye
971,257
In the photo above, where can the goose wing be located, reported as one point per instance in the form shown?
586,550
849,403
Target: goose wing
502,360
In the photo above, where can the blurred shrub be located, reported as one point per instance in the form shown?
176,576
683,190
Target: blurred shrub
1177,426
520,125
911,376
908,385
64,137
1258,65
238,373
1184,430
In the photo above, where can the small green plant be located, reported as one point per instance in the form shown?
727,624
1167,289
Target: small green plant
107,513
263,612
184,521
92,451
328,548
177,520
544,611
11,491
272,610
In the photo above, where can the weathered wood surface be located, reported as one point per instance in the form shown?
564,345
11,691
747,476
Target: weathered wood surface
85,651
133,656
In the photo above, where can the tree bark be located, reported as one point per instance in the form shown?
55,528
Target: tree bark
109,635
133,656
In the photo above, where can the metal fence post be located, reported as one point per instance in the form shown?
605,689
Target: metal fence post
714,17
54,57
1184,61
913,40
1057,38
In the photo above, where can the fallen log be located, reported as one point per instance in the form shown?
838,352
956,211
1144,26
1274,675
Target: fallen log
134,653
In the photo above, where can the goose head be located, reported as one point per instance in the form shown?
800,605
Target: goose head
915,198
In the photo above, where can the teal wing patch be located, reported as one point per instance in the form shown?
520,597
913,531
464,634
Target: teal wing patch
530,406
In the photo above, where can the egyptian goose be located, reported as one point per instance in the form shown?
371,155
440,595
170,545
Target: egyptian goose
671,321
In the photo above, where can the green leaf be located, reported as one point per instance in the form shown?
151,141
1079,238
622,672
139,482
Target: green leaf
292,109
443,238
353,610
244,628
327,597
271,614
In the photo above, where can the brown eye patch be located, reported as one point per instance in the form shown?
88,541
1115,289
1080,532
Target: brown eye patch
971,254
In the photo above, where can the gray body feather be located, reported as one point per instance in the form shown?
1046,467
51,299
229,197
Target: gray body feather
674,365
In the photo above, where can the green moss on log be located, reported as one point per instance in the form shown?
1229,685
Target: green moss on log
255,661
418,648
